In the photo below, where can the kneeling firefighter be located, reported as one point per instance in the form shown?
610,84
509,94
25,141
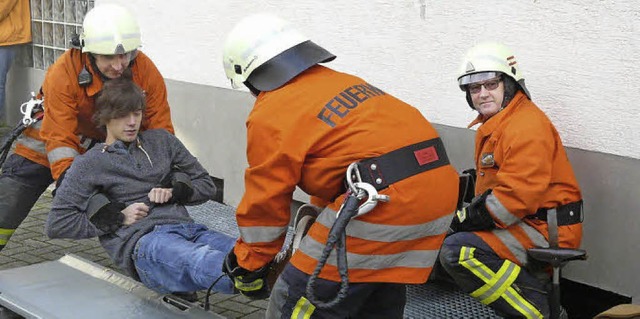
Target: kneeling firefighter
109,48
309,124
526,194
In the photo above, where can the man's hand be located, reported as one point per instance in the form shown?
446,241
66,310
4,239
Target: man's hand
252,284
160,195
134,213
473,216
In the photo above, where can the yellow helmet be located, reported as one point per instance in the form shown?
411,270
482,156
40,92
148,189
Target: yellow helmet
266,52
485,61
110,29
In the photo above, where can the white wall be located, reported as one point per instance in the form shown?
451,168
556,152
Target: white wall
580,57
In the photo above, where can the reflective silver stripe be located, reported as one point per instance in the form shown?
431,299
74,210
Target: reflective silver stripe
59,153
413,258
502,283
31,143
500,212
123,36
522,306
388,233
514,246
536,237
480,270
261,234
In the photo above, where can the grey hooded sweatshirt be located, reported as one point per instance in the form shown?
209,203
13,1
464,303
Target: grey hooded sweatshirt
126,174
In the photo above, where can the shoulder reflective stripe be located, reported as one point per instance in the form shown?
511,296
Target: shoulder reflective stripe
500,212
536,237
388,233
32,143
5,234
303,309
261,234
413,258
497,285
59,153
514,246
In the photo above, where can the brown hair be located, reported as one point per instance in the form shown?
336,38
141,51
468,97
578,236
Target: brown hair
118,98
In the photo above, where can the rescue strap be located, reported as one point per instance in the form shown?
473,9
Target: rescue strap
402,163
567,214
336,240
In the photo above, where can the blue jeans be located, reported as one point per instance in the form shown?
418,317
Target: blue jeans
183,258
7,53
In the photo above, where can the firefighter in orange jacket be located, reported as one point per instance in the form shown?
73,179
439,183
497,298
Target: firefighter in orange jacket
110,42
526,194
308,124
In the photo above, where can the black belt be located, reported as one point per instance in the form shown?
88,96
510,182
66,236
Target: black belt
397,165
567,214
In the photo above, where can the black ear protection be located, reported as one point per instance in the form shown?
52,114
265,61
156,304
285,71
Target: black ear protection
84,78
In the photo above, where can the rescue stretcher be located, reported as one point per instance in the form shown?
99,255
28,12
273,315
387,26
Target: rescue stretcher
72,287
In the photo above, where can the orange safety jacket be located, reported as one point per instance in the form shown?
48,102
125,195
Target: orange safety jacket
15,22
67,128
306,134
520,157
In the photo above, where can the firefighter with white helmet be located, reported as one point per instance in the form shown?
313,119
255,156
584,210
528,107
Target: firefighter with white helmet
308,126
526,194
109,49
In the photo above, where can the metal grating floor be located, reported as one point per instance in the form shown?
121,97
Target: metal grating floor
433,300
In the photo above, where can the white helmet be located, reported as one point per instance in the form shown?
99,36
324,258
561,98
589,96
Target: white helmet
487,60
110,29
266,52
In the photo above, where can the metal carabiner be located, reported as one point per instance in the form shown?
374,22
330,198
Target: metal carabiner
353,174
372,200
27,109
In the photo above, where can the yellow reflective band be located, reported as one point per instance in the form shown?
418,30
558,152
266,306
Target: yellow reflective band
248,286
521,305
4,231
303,309
5,234
508,273
475,266
499,283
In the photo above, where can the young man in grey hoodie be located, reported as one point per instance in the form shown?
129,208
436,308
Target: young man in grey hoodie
146,179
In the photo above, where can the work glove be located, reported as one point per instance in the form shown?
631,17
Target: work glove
252,284
182,189
107,216
473,216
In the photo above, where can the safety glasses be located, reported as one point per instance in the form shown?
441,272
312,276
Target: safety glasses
490,85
